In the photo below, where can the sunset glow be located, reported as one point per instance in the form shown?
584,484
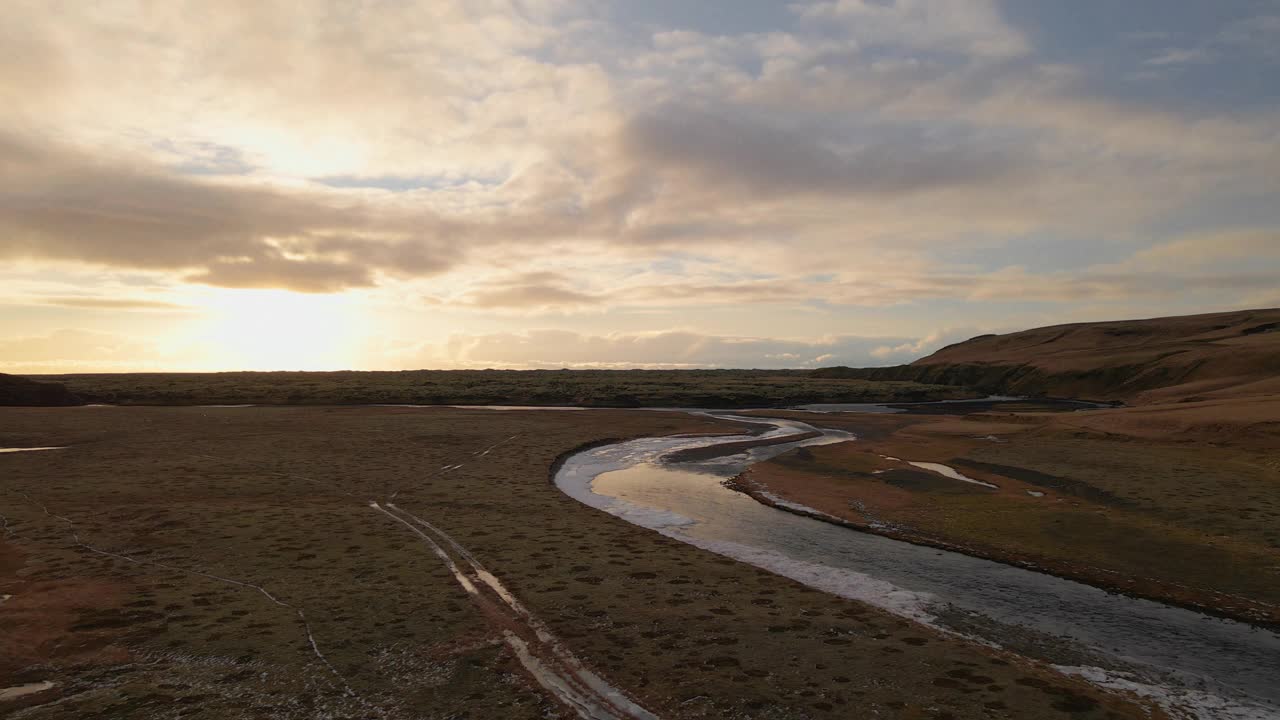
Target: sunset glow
278,330
544,184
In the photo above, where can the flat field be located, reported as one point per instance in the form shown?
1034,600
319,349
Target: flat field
591,388
228,563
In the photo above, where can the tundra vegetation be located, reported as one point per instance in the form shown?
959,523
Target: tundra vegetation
227,563
588,388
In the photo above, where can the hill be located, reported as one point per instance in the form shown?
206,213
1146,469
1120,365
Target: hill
16,390
1172,359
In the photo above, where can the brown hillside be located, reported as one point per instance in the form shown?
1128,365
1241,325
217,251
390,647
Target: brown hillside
1193,357
15,390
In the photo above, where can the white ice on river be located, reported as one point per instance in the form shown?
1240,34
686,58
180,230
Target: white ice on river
1198,666
951,473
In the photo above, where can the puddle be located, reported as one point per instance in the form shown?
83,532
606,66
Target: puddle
28,689
950,472
870,408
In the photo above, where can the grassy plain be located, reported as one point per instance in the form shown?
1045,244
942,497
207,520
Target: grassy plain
1175,502
591,388
236,532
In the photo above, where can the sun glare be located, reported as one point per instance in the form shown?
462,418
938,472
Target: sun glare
278,330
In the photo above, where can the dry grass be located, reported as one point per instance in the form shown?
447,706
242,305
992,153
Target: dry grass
1153,508
277,498
595,388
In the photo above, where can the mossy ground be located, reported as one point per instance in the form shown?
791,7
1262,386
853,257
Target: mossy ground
1191,522
277,498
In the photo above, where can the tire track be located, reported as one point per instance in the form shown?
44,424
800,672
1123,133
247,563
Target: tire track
448,468
539,651
535,646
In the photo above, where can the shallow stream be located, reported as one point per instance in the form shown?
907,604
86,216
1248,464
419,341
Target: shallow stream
1193,664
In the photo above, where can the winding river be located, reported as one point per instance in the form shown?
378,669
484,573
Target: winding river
1195,665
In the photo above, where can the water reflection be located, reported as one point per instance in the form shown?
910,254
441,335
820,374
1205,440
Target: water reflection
1174,652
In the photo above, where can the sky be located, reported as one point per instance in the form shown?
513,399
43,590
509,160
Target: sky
399,184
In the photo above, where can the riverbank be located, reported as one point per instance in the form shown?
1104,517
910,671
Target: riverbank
1144,501
1189,662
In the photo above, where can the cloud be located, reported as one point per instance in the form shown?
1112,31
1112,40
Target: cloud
524,292
104,303
1253,39
556,292
1180,56
275,271
722,150
487,161
906,352
1185,267
61,205
1242,247
975,27
674,349
328,88
1257,36
77,350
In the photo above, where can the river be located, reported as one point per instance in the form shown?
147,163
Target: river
1195,665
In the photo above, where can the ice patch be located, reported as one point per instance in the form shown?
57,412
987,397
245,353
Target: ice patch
504,407
34,449
847,584
867,408
780,502
28,689
1181,703
1035,493
647,517
951,473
